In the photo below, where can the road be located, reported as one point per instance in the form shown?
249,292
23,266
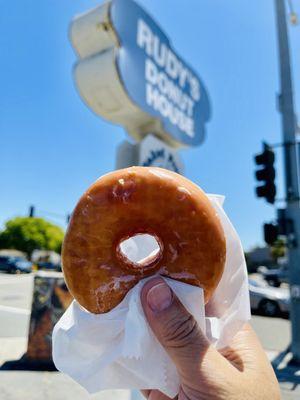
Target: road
16,290
16,297
274,333
15,304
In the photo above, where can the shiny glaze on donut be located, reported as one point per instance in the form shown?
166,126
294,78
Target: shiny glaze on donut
133,201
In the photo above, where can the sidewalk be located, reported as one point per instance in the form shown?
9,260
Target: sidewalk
57,386
274,334
275,337
18,385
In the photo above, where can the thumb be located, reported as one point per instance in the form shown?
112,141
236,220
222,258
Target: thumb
177,330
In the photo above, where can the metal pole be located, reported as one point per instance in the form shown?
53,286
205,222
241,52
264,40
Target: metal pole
286,105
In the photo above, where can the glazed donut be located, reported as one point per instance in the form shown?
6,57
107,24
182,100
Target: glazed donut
133,201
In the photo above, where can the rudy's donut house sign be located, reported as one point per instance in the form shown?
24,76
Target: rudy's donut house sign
129,73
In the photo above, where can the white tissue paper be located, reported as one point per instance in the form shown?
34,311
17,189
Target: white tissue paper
117,350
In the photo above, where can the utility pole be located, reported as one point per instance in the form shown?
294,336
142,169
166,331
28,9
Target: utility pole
286,108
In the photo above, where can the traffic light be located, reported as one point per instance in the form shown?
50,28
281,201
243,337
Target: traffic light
270,233
282,227
266,174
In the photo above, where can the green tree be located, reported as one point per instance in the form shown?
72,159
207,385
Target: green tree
278,249
28,234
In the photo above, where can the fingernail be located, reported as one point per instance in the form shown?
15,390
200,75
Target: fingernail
159,297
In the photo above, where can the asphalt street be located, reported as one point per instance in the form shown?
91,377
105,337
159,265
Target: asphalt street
16,290
15,304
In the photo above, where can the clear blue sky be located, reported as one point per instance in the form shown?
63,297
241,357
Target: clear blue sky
53,147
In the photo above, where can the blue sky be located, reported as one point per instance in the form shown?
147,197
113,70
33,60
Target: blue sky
53,147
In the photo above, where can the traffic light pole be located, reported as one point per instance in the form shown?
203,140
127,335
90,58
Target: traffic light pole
286,106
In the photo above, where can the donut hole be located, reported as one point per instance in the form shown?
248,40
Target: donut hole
140,250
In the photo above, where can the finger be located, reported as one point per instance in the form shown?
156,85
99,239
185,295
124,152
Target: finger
176,329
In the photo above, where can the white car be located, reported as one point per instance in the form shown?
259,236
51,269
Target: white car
268,300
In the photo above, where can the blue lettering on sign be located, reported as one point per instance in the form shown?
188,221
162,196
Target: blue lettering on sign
159,158
156,79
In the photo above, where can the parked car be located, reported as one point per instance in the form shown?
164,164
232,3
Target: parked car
268,300
49,266
15,265
275,277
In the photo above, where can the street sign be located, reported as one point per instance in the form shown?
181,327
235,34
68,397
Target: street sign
129,73
150,152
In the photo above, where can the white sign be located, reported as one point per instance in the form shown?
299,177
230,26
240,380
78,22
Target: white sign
150,152
155,153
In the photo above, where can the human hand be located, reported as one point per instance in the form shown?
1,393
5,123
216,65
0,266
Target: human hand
239,372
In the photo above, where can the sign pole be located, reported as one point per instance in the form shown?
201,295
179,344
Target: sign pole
286,106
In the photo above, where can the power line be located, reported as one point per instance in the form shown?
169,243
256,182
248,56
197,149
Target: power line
33,211
52,214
